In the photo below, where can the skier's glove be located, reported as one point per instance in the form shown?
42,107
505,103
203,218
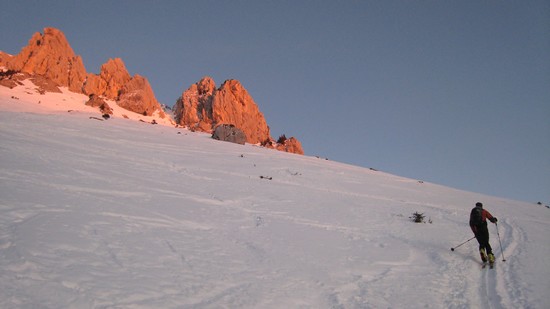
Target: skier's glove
493,219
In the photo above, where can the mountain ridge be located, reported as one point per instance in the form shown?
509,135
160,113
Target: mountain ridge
50,56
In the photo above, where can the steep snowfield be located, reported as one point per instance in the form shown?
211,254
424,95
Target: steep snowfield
125,214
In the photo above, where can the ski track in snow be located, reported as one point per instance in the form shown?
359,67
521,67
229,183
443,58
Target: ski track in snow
129,217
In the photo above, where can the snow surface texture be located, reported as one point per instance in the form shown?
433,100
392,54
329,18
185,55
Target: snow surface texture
125,214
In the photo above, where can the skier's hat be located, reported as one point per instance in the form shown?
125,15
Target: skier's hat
479,204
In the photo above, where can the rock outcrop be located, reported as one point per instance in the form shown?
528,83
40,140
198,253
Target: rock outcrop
132,93
202,107
112,77
232,104
44,84
51,56
12,79
290,145
229,133
4,59
98,102
137,96
50,62
194,108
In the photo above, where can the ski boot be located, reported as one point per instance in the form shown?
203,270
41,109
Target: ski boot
483,255
491,260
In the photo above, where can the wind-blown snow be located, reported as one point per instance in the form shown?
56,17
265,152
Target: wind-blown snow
125,214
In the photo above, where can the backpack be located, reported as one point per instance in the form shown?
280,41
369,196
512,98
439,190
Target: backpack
475,216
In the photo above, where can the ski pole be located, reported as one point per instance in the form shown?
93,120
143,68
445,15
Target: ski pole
453,249
501,251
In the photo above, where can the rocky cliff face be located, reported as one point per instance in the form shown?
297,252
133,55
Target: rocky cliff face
112,77
137,96
132,93
50,56
4,59
202,107
232,104
194,108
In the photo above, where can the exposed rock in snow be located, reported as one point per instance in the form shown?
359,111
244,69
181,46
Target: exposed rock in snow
52,62
4,59
26,96
232,103
202,107
51,56
137,96
290,145
97,101
229,133
194,108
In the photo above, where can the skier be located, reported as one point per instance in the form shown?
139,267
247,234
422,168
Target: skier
478,224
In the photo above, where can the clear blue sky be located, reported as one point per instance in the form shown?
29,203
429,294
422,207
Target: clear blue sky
451,92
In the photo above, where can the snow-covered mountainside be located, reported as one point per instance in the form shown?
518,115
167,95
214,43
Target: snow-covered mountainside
27,98
125,214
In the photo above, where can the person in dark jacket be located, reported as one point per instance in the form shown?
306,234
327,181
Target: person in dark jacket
478,224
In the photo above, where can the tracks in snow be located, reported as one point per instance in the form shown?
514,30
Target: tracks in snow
498,288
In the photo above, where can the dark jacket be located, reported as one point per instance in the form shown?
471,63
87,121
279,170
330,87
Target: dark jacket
485,215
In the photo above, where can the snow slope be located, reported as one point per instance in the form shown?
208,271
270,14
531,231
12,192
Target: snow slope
125,214
26,98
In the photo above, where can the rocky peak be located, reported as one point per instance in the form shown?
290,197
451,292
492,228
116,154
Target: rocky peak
132,93
5,58
51,62
194,108
232,104
202,107
206,86
112,77
51,56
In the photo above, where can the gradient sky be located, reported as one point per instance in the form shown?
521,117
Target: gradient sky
451,92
